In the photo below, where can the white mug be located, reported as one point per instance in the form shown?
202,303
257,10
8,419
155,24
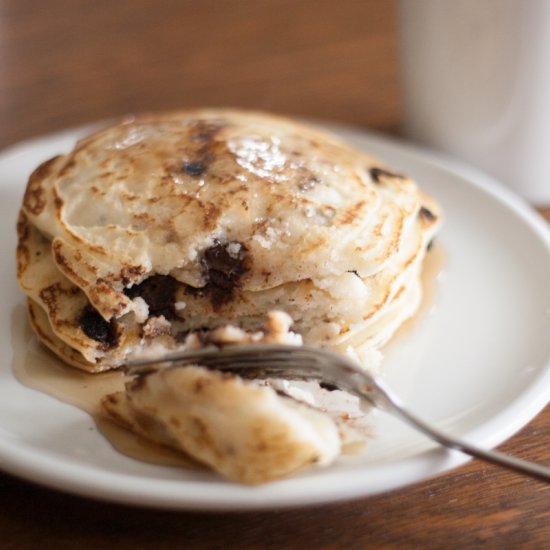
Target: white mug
476,76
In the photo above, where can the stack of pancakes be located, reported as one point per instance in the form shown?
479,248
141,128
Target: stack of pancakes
183,221
188,228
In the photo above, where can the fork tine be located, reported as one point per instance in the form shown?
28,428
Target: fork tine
270,360
270,367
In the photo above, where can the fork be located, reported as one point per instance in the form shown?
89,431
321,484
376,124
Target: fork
334,371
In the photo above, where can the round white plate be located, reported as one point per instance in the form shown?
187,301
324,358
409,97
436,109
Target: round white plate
477,364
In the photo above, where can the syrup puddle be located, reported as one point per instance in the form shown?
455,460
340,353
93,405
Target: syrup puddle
36,368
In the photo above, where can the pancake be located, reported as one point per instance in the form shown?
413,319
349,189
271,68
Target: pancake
174,222
245,432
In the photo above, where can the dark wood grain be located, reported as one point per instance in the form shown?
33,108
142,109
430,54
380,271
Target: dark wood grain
67,62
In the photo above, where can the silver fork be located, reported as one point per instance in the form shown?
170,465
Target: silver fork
334,370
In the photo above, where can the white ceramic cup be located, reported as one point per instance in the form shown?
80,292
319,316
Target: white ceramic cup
476,75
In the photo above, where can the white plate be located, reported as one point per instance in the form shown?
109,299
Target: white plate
477,365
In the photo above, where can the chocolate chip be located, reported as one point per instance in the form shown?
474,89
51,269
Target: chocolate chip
223,265
194,169
227,259
159,292
327,386
95,327
377,174
426,214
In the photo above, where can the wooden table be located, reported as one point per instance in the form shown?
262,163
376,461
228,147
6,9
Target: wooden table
68,62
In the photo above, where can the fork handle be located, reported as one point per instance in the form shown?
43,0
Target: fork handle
531,469
385,400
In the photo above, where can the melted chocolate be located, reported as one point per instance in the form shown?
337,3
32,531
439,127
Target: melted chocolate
159,292
223,271
95,327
